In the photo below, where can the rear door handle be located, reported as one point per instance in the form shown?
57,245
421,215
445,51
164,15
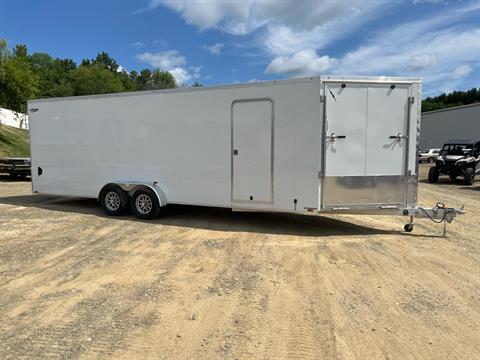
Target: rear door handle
399,136
334,136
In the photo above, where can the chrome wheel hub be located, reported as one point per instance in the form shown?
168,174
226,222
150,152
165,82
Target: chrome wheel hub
144,204
112,201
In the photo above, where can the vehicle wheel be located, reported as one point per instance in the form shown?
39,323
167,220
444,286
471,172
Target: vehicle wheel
469,176
145,204
431,160
114,200
408,227
433,175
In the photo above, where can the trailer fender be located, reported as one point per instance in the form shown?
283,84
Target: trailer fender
131,186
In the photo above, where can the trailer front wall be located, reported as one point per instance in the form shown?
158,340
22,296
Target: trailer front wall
181,139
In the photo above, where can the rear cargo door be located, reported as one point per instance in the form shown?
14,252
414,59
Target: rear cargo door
252,150
365,144
386,129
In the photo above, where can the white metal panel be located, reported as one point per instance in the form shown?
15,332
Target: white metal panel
307,137
346,115
387,115
252,122
180,139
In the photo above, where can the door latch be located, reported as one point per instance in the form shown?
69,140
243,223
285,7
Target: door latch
398,137
334,137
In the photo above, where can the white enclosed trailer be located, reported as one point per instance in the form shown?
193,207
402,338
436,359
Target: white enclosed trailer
320,144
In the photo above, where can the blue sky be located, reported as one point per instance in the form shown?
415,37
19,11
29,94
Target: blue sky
220,41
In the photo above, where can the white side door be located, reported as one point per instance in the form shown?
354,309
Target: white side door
252,151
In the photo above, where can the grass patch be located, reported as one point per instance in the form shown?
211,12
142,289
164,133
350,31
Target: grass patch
14,142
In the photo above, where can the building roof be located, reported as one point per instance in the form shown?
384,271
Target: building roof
452,108
462,142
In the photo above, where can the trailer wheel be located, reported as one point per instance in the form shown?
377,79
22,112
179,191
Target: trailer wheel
433,175
114,200
408,227
145,204
469,176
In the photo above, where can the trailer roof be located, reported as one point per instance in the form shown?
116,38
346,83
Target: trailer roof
359,79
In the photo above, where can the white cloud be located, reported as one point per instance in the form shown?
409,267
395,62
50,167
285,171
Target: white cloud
422,61
428,1
462,71
214,49
303,63
138,45
436,49
121,69
195,71
163,59
243,17
440,46
181,75
159,42
172,61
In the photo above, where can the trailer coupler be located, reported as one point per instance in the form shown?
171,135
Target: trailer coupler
438,214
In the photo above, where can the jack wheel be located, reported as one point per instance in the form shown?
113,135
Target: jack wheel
408,227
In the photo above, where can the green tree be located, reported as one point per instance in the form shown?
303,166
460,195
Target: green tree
54,75
162,80
143,80
18,82
455,98
93,79
104,60
127,82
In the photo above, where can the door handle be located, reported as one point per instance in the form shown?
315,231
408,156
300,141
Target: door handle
399,136
334,136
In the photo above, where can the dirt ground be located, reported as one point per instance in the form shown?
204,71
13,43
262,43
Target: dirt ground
202,283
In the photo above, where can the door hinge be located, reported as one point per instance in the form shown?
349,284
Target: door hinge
411,99
320,174
322,98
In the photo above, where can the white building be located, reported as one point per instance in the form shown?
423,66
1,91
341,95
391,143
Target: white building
439,126
13,118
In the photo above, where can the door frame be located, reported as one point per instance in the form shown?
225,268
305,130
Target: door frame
407,124
272,143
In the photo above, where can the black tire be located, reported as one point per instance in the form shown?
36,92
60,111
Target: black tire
408,227
433,175
469,176
114,200
431,160
145,204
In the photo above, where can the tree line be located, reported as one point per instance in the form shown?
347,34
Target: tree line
455,98
25,76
